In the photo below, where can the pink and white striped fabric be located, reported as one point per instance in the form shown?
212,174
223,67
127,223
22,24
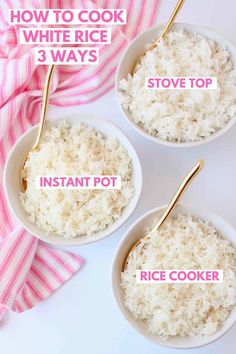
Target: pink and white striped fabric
30,270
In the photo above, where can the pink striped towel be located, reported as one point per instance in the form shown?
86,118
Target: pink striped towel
30,270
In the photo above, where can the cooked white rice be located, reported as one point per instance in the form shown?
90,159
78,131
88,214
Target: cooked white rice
182,115
76,150
179,309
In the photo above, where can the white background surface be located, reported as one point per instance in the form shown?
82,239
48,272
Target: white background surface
82,316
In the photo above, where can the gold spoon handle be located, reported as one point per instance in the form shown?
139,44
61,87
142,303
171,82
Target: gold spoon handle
172,18
186,182
164,32
45,105
178,194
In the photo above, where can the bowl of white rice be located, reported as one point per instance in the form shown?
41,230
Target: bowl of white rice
178,315
174,117
81,145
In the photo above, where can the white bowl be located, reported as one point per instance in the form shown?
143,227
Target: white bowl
12,182
128,240
138,47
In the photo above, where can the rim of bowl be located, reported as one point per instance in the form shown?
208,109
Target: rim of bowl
156,339
157,140
79,240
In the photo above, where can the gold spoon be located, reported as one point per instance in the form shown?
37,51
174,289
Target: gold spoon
164,32
178,194
41,124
